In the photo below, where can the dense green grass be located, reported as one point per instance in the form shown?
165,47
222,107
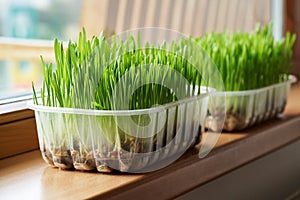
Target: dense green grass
250,60
87,73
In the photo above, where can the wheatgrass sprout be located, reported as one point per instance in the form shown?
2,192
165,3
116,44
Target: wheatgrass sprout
250,60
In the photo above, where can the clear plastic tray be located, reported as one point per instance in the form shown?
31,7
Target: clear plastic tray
112,140
247,108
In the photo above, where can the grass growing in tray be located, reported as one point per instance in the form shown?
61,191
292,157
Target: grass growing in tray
86,73
250,60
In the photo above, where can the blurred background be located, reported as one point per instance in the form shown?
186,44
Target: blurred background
28,27
28,20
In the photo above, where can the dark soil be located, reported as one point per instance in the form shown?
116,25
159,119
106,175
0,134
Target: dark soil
83,161
47,156
62,158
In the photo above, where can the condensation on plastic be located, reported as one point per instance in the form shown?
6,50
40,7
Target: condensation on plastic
92,139
247,108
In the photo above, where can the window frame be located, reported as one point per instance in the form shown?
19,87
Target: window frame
18,132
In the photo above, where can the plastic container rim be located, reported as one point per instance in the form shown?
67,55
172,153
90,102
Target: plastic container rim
292,79
155,109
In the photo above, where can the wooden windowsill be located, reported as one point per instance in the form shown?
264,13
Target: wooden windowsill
27,175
